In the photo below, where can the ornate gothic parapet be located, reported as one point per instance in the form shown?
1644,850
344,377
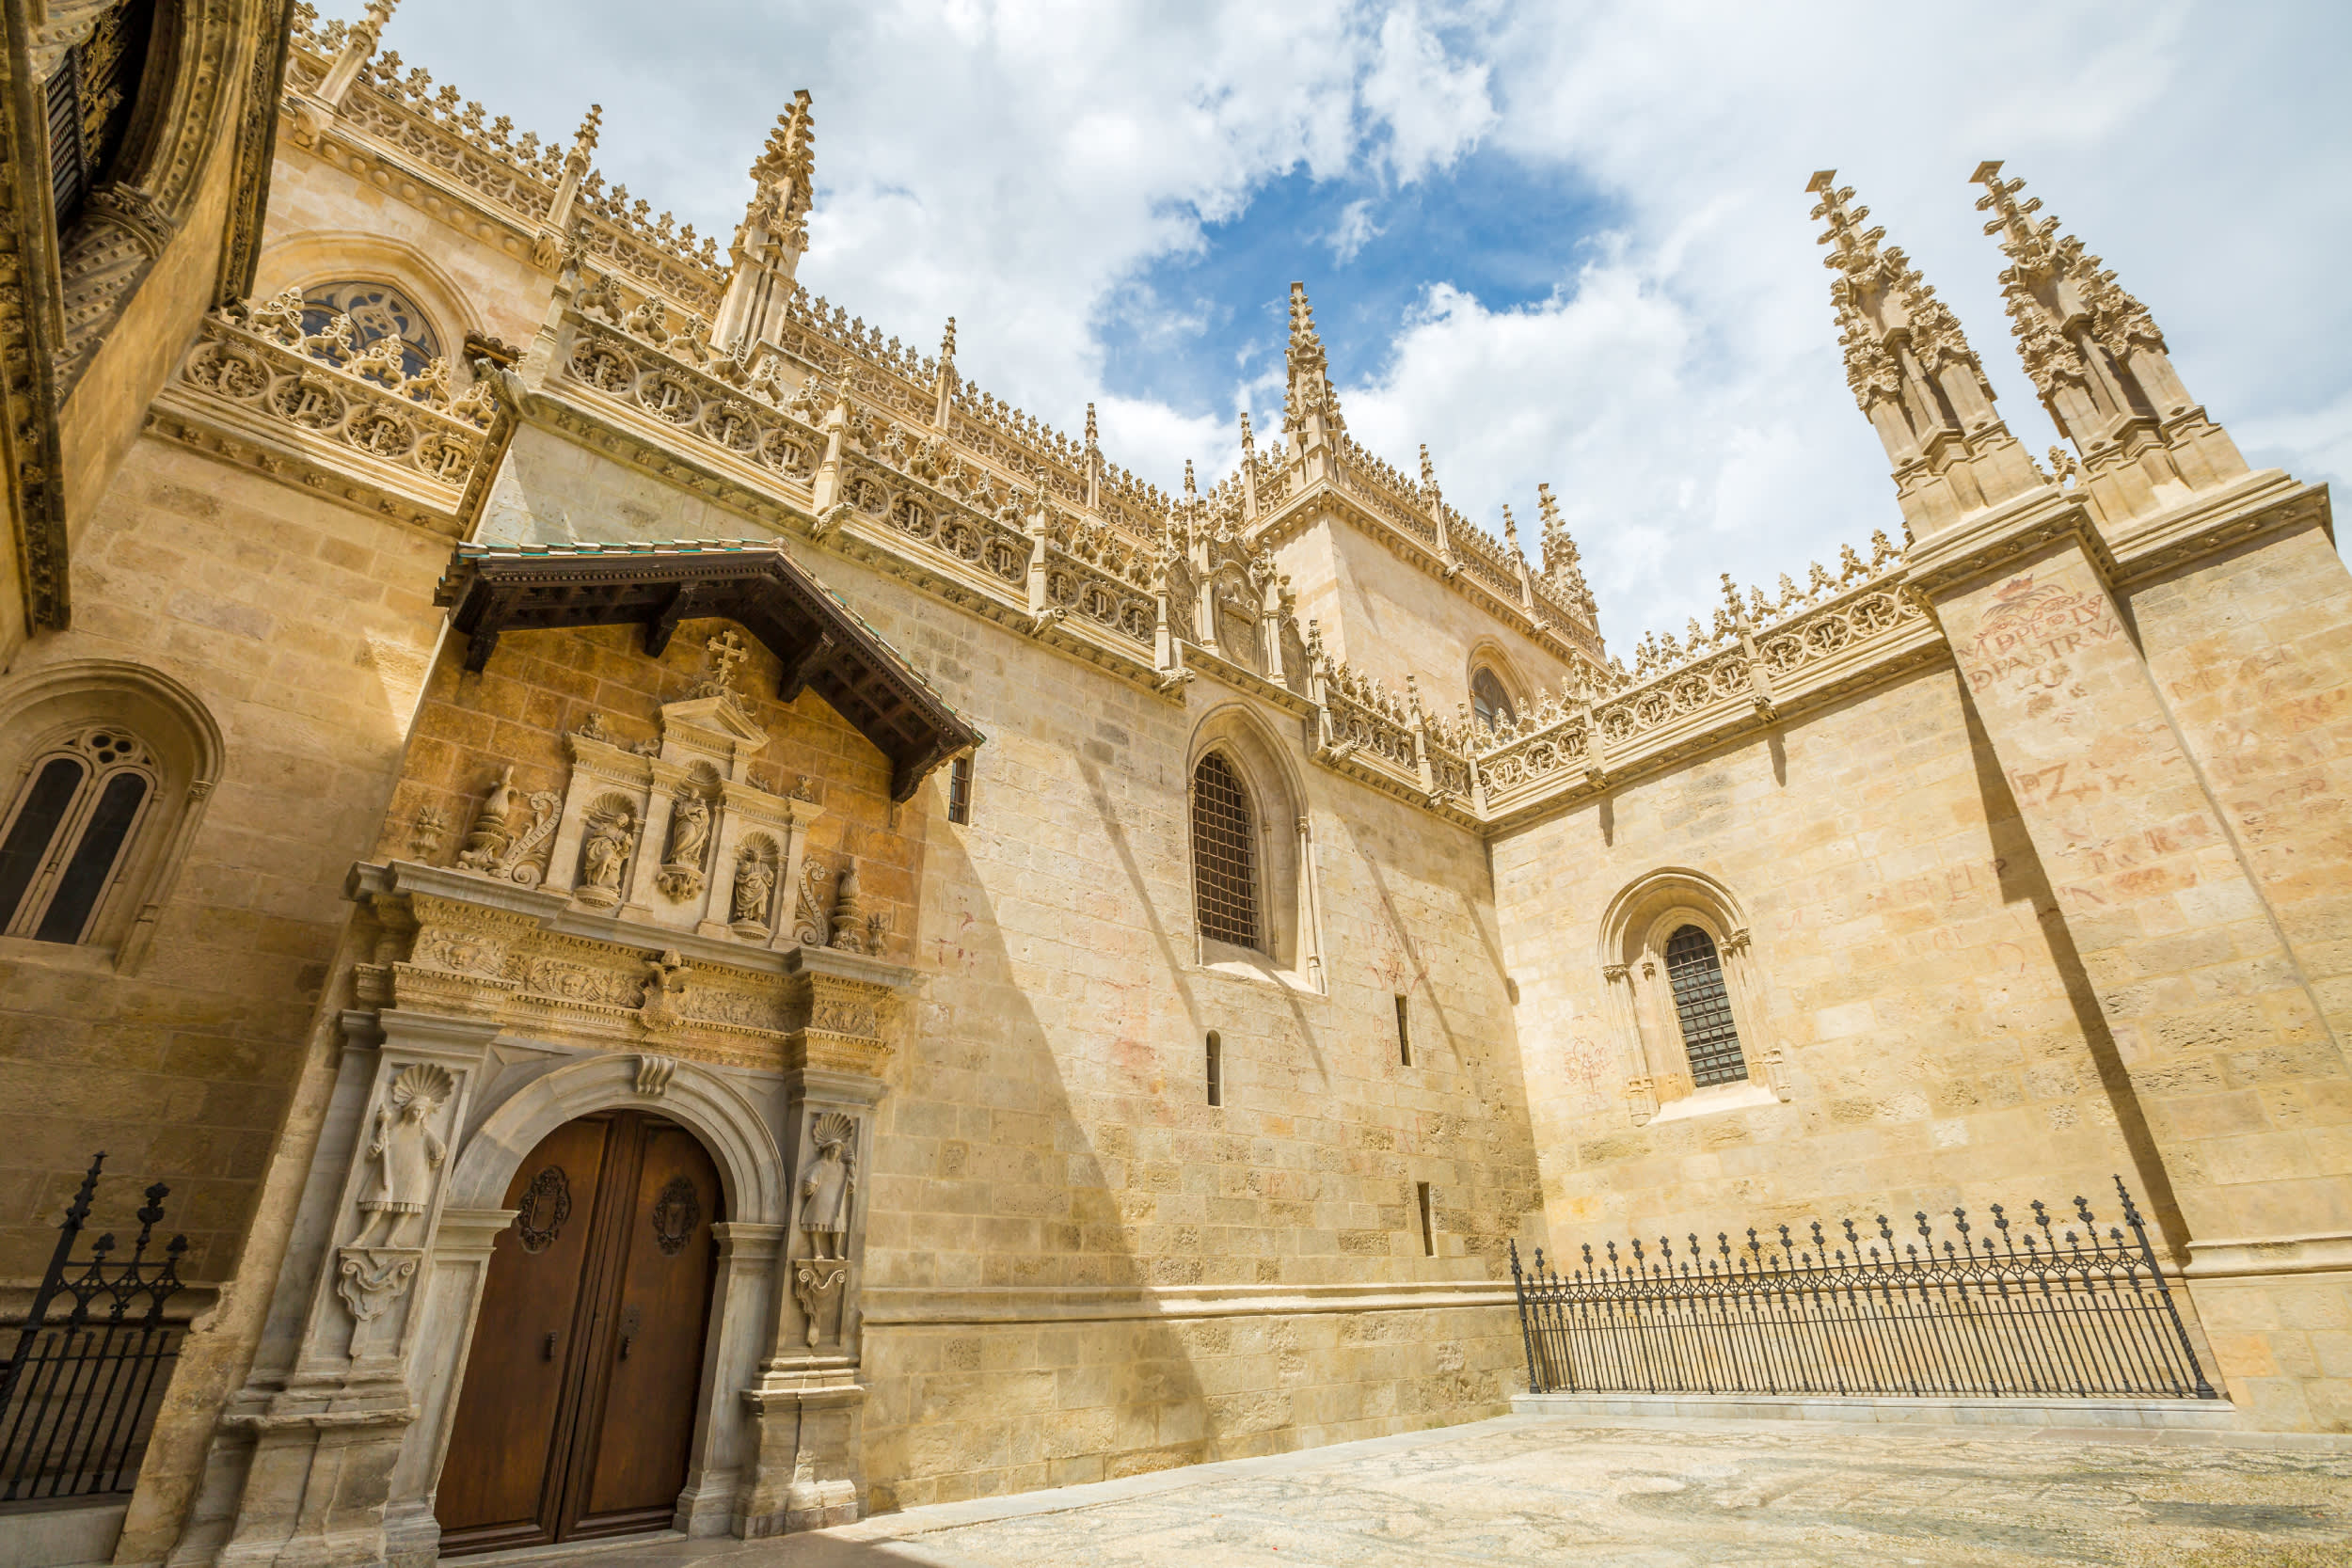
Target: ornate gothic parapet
310,409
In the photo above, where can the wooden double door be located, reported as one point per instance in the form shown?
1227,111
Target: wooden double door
577,1409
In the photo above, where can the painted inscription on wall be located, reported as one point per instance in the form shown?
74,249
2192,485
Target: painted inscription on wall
2030,630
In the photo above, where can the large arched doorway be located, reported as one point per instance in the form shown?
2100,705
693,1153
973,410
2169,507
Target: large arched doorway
581,1390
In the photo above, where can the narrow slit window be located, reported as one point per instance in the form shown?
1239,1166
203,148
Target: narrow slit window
960,790
1217,1070
1703,1006
1428,1206
1404,1031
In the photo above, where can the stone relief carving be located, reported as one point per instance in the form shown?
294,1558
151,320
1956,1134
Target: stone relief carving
403,1152
829,1184
813,915
815,1285
664,992
854,928
653,1074
509,840
406,1153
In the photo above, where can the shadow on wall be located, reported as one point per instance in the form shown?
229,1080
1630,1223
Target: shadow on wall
985,1155
2023,879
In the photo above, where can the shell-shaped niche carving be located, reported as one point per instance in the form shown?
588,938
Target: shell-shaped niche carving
605,849
757,863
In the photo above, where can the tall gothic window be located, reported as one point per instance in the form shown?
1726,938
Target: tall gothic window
1704,1008
1489,701
1224,855
377,311
69,830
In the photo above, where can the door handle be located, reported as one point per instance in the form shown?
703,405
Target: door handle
624,1344
547,1349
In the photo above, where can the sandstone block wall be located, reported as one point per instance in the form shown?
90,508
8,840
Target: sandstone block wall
1941,1043
305,627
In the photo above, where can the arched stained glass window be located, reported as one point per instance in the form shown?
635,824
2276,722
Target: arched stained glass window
1224,854
1704,1008
377,310
1489,701
68,830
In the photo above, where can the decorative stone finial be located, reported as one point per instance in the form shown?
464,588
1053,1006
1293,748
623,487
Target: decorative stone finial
948,342
1310,409
1912,371
2099,361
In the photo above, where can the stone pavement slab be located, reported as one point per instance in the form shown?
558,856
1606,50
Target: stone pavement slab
1553,1491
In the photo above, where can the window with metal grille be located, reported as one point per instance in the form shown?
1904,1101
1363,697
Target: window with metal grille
960,790
1224,855
1705,1008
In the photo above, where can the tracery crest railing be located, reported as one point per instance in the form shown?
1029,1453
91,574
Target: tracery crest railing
2034,1308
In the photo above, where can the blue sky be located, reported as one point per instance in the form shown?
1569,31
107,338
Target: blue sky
1585,252
1192,326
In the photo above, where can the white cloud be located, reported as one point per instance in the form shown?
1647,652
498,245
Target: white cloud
1017,165
1354,231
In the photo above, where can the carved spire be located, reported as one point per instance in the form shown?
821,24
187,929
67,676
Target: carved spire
1428,476
2099,361
948,344
1310,410
584,142
1913,374
555,247
1510,530
360,44
769,242
1093,443
944,385
1563,569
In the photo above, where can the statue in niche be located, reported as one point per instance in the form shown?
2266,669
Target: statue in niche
828,1182
681,874
406,1153
754,881
602,858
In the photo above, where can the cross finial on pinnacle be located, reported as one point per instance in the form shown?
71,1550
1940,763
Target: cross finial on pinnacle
2024,241
1845,234
584,139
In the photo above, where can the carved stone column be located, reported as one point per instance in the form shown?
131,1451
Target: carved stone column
808,1406
1747,998
1624,1019
326,1440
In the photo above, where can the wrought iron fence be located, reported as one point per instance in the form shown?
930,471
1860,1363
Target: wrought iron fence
2044,1306
79,1395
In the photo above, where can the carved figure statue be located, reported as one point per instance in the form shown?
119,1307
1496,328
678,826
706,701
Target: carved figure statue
689,829
602,858
754,881
406,1153
828,1182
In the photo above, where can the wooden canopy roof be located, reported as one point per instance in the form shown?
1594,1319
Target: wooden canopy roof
489,588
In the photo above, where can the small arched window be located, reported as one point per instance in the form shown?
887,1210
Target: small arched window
68,831
1489,701
1703,1006
1224,854
377,311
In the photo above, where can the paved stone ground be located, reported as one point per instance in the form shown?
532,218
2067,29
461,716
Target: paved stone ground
1566,1493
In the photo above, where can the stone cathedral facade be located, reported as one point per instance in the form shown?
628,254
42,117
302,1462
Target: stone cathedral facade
713,928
